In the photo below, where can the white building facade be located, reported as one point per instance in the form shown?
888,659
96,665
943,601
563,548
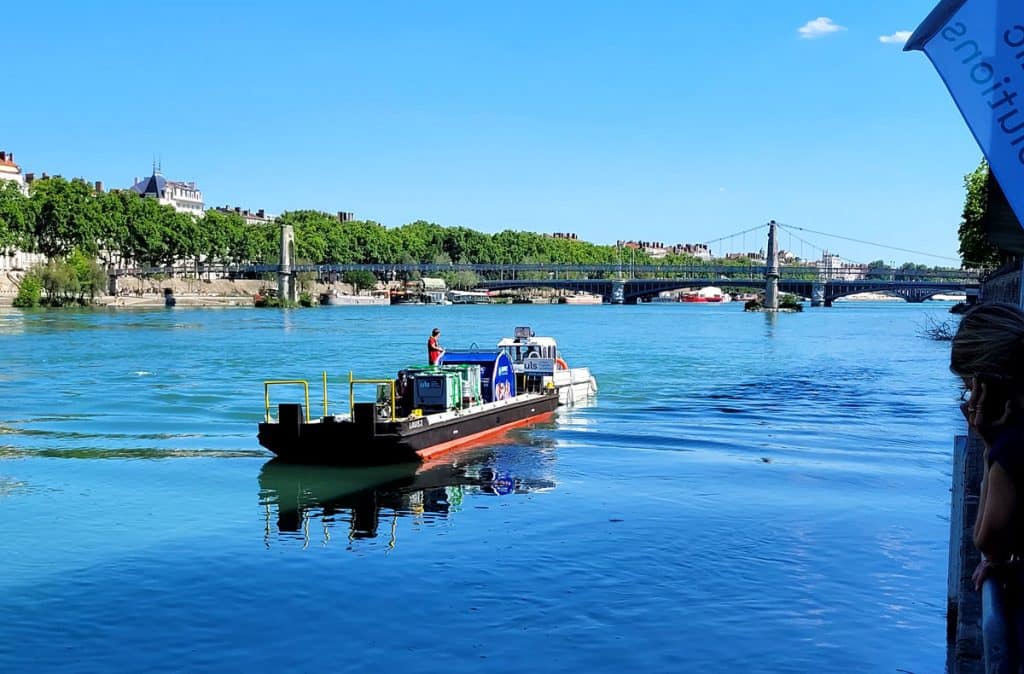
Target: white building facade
833,267
183,197
9,171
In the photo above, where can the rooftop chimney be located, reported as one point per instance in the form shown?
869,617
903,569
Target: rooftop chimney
3,156
260,213
99,187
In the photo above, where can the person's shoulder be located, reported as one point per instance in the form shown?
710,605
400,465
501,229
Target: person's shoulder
1008,450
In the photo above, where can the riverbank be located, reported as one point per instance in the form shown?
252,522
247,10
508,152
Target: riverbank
189,292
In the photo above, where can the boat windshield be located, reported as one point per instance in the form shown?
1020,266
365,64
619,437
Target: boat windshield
520,351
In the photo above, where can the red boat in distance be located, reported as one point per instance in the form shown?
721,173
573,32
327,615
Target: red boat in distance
709,294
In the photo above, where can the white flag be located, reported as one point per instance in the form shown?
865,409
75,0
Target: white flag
978,48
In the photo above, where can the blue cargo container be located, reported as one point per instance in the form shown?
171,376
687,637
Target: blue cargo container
497,379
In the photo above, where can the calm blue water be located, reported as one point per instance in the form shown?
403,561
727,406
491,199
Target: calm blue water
749,493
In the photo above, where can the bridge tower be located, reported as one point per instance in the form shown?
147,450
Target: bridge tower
285,276
771,290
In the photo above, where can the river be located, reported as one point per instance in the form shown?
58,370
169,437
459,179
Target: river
747,493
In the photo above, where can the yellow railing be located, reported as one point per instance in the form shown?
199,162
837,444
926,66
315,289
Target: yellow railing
352,381
288,382
325,394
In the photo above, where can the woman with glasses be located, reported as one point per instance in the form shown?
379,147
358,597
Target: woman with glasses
988,354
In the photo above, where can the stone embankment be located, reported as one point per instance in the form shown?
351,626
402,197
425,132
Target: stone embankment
141,292
149,292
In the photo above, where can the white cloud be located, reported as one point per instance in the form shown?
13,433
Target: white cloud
820,27
899,37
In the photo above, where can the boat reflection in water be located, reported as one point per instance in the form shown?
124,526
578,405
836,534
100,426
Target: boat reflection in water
310,502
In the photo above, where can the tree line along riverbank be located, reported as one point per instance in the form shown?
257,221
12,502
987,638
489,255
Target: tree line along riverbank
85,234
120,228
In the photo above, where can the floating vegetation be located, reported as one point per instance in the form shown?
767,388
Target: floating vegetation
940,331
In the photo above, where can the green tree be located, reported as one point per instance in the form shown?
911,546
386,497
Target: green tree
67,216
462,280
216,229
30,292
112,232
361,280
90,279
975,248
312,229
146,219
17,219
421,241
186,238
257,244
60,282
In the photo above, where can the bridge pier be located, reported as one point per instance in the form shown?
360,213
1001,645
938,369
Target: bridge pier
285,275
818,295
618,292
771,290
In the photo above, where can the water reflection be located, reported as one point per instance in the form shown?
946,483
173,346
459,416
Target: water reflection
10,486
308,502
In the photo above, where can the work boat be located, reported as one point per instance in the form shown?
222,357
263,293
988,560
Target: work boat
539,356
421,413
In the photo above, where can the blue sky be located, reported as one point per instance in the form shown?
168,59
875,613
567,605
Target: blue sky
668,121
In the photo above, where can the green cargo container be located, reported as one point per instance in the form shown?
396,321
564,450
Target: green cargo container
437,392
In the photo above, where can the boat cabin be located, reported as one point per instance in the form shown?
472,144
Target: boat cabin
524,345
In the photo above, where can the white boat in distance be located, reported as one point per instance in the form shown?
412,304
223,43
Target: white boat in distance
336,299
469,296
582,298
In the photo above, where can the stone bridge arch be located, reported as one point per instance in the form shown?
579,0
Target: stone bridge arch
637,290
909,293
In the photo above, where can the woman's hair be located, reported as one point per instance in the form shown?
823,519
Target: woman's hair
435,332
989,341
